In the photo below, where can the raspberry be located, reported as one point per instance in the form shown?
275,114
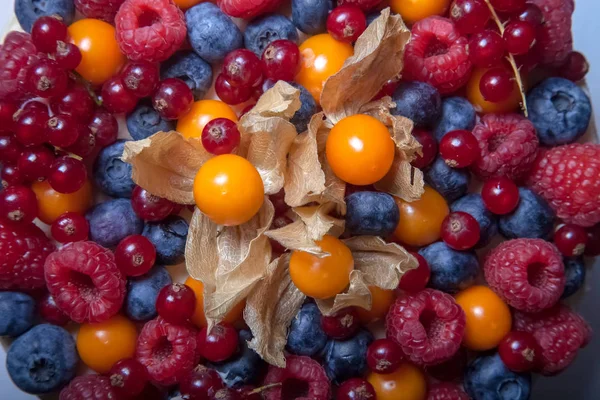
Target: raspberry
559,332
167,351
100,9
248,9
428,325
88,387
16,54
446,391
85,282
567,178
24,248
150,30
508,146
298,368
528,274
365,5
554,38
437,54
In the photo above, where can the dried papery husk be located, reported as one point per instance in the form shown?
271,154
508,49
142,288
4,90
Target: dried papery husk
270,308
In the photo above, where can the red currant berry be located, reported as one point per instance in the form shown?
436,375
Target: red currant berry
279,222
128,377
592,247
70,227
220,136
384,356
10,149
278,200
388,89
176,303
77,102
500,195
140,78
486,49
346,23
219,344
416,279
356,389
62,130
85,144
519,351
230,94
496,85
11,175
469,16
459,148
281,60
570,240
50,312
18,204
7,112
67,55
248,108
460,231
242,68
30,127
428,148
200,383
33,105
46,79
519,37
34,163
508,6
104,126
450,370
46,31
116,97
173,98
532,14
135,255
575,67
150,207
342,324
67,174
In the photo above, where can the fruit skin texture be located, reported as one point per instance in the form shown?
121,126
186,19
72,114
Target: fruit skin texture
168,237
519,351
533,218
574,275
365,5
554,37
96,387
202,112
310,16
473,204
303,369
487,377
526,273
481,105
262,31
451,183
100,9
355,389
406,383
248,9
104,230
344,359
415,10
142,292
371,213
27,11
451,270
190,68
381,300
52,349
305,334
17,313
419,102
244,367
145,121
446,391
111,174
456,114
384,356
16,55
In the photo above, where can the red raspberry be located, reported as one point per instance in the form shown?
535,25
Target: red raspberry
559,332
88,387
248,9
150,30
508,145
365,5
24,248
299,368
446,391
100,9
167,351
428,325
437,54
554,38
567,177
528,274
16,54
85,282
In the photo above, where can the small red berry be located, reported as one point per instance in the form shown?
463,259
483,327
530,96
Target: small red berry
242,68
30,127
384,356
519,351
281,60
67,55
176,303
77,102
486,49
356,389
500,195
460,230
429,148
67,174
34,163
50,312
219,344
278,200
85,144
47,79
342,324
346,23
140,78
116,97
172,99
570,240
10,149
11,175
470,16
150,207
508,6
18,204
532,14
200,383
135,255
128,377
7,112
519,37
592,247
231,94
62,130
575,67
416,279
459,148
496,85
46,31
104,126
220,136
70,227
388,89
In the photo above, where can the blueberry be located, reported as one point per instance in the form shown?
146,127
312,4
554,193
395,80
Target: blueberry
457,113
111,174
142,291
190,68
28,11
212,34
310,16
168,236
42,360
113,220
559,110
17,312
242,369
344,359
145,121
574,275
371,213
307,109
533,218
418,101
451,270
451,183
487,378
306,337
472,204
264,30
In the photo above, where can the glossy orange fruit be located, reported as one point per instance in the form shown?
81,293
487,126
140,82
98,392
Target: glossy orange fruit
381,300
199,319
52,204
185,4
485,107
201,113
405,383
416,10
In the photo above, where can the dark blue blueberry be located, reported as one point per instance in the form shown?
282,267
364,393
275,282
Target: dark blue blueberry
451,183
242,369
533,218
371,213
310,16
418,101
145,121
168,236
190,68
307,109
17,312
559,110
264,30
306,337
28,11
457,113
111,174
212,34
42,360
574,275
472,204
451,270
487,378
113,220
345,359
142,291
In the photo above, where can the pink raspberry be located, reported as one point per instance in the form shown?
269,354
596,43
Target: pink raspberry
88,387
365,5
85,282
554,39
428,325
248,9
559,332
508,145
17,53
100,9
437,54
567,177
528,274
446,391
150,30
299,368
24,248
167,351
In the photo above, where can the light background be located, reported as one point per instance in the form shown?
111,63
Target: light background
582,379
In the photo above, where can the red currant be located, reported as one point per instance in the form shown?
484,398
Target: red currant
18,204
356,389
416,279
508,6
219,344
104,126
200,383
500,195
592,247
384,356
519,351
496,85
85,144
7,112
388,89
279,222
519,37
33,105
278,200
135,255
10,149
30,127
486,49
173,98
460,231
570,240
77,102
470,16
67,55
450,370
575,67
231,94
242,68
140,78
342,324
70,227
248,108
532,14
46,31
428,148
459,148
50,312
281,60
34,163
11,175
150,207
62,130
46,79
220,136
128,377
116,97
346,23
67,174
176,303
